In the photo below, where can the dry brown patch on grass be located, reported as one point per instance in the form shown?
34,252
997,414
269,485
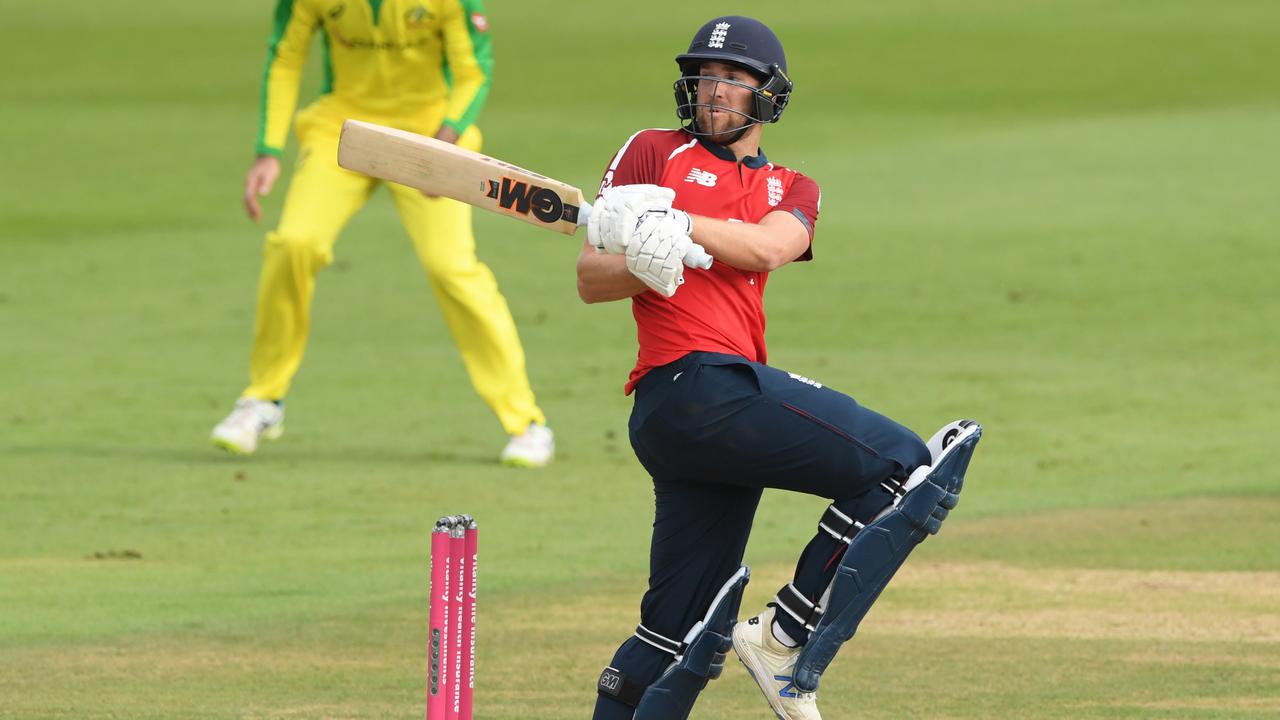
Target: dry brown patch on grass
1262,587
992,599
1271,704
1190,533
167,659
1079,624
998,600
1270,660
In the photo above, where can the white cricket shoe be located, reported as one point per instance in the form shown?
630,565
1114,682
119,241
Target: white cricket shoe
251,420
771,665
536,447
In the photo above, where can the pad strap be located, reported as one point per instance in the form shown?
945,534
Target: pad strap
795,604
699,657
895,488
838,525
674,648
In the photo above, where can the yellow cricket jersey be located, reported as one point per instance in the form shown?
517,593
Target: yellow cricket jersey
411,63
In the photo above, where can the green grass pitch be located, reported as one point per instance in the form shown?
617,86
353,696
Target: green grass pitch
1056,216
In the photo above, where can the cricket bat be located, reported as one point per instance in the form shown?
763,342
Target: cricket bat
440,168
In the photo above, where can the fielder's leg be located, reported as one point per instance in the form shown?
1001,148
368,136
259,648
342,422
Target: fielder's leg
474,309
321,198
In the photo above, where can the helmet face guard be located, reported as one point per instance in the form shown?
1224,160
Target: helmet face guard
768,101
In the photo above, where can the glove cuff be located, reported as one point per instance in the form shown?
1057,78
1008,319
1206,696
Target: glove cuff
686,219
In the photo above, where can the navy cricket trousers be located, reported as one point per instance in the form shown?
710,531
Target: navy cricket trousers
713,431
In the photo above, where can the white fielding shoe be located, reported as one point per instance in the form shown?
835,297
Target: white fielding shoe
251,420
771,665
536,447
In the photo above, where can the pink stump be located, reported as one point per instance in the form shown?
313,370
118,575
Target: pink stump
457,549
438,624
469,562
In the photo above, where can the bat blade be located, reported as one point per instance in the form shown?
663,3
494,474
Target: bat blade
440,168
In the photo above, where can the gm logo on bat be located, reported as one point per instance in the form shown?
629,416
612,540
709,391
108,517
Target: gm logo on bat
521,197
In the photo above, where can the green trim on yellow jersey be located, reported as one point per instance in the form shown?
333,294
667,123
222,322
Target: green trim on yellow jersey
284,11
376,6
482,48
327,86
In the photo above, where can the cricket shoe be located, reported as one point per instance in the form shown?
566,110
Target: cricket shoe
771,665
251,420
535,447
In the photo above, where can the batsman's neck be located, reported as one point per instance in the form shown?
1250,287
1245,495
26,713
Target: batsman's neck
748,145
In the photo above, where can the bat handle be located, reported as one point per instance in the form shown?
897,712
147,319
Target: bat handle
697,257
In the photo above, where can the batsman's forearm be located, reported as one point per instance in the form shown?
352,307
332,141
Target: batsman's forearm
605,278
753,247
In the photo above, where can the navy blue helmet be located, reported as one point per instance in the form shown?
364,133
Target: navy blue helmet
746,43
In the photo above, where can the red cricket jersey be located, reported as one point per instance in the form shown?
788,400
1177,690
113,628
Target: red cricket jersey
721,309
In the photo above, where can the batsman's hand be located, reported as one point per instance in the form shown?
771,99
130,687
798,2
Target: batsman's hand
258,182
656,253
615,217
678,221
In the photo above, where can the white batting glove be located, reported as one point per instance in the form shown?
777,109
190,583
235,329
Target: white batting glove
616,214
656,253
679,221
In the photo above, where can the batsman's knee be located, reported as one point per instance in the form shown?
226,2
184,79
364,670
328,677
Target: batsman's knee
693,661
909,450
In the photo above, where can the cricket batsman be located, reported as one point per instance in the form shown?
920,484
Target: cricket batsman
713,424
418,65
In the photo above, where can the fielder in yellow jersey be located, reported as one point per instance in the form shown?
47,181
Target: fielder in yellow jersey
419,65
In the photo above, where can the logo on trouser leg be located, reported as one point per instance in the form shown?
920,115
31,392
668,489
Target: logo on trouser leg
805,380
